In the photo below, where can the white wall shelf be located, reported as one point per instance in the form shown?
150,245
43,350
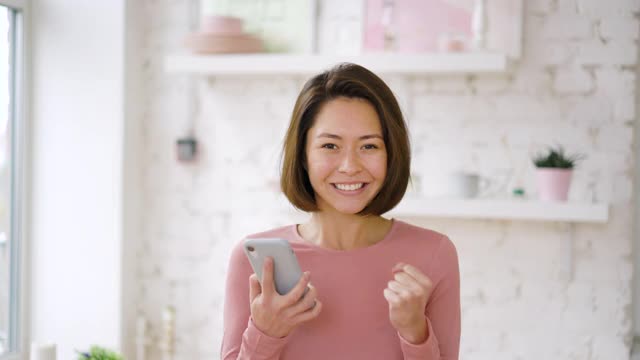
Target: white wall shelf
504,210
292,64
526,210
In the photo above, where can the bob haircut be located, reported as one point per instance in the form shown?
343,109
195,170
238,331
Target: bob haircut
354,82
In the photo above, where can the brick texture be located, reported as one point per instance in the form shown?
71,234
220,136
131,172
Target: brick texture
521,297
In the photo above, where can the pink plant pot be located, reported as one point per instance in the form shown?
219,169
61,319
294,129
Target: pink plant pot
553,184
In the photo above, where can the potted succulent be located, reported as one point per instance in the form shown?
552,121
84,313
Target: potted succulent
553,173
99,353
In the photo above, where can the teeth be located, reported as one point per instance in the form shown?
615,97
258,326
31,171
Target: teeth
349,187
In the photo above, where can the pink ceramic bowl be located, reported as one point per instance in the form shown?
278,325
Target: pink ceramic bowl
227,25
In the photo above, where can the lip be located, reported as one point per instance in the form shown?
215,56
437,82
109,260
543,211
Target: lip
350,192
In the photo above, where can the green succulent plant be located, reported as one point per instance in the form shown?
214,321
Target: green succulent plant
556,158
99,353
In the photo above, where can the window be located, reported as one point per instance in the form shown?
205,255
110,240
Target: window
12,124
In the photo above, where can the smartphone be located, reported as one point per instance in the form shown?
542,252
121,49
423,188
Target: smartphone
286,270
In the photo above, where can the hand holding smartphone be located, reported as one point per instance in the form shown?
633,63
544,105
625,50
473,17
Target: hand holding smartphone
286,270
286,299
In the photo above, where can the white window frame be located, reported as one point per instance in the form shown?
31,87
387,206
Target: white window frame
19,332
635,350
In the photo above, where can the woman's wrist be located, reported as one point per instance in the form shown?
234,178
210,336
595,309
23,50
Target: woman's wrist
416,334
269,334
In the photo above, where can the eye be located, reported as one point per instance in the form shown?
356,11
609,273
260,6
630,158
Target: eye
329,146
370,146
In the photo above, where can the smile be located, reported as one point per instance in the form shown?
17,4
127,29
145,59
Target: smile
349,187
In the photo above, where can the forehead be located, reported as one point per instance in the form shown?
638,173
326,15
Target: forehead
346,115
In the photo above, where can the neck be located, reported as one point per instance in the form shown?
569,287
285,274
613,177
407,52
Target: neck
344,232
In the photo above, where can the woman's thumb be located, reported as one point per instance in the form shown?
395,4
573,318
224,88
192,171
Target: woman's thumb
254,287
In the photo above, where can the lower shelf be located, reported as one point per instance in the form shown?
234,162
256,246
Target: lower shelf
504,209
497,209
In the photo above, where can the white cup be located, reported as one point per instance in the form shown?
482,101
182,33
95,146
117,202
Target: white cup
459,185
43,351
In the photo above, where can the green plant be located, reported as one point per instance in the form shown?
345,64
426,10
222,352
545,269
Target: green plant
99,353
556,158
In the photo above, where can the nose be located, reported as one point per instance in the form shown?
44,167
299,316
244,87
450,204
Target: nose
350,163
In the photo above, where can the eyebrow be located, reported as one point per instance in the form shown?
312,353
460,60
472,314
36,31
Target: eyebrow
364,137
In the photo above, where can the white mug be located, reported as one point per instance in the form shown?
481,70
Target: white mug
43,351
454,185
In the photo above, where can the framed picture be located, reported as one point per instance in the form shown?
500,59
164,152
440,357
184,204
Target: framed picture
340,26
415,25
418,26
283,25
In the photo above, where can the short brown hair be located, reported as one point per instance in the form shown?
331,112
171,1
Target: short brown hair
350,81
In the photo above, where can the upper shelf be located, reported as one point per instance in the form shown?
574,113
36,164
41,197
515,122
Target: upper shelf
300,64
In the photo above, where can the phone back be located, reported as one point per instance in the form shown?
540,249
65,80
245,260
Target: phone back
286,271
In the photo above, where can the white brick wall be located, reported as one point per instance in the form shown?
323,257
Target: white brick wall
572,81
623,26
572,87
559,26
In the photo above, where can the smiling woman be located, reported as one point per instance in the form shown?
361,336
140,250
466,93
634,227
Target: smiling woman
370,99
346,157
382,289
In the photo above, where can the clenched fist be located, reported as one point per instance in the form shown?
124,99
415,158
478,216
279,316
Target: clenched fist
407,295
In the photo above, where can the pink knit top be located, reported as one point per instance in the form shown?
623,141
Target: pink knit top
354,321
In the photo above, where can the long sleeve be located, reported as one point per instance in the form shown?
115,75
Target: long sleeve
442,312
241,339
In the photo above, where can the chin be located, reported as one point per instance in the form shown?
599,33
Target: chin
349,210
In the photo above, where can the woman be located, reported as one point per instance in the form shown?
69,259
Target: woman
379,288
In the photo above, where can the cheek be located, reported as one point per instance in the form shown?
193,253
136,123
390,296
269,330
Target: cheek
378,166
318,165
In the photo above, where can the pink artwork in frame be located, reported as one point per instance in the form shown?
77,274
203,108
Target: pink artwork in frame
414,25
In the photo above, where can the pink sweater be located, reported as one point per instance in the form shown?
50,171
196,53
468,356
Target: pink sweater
354,322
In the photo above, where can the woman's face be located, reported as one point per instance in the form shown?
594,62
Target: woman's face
346,155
